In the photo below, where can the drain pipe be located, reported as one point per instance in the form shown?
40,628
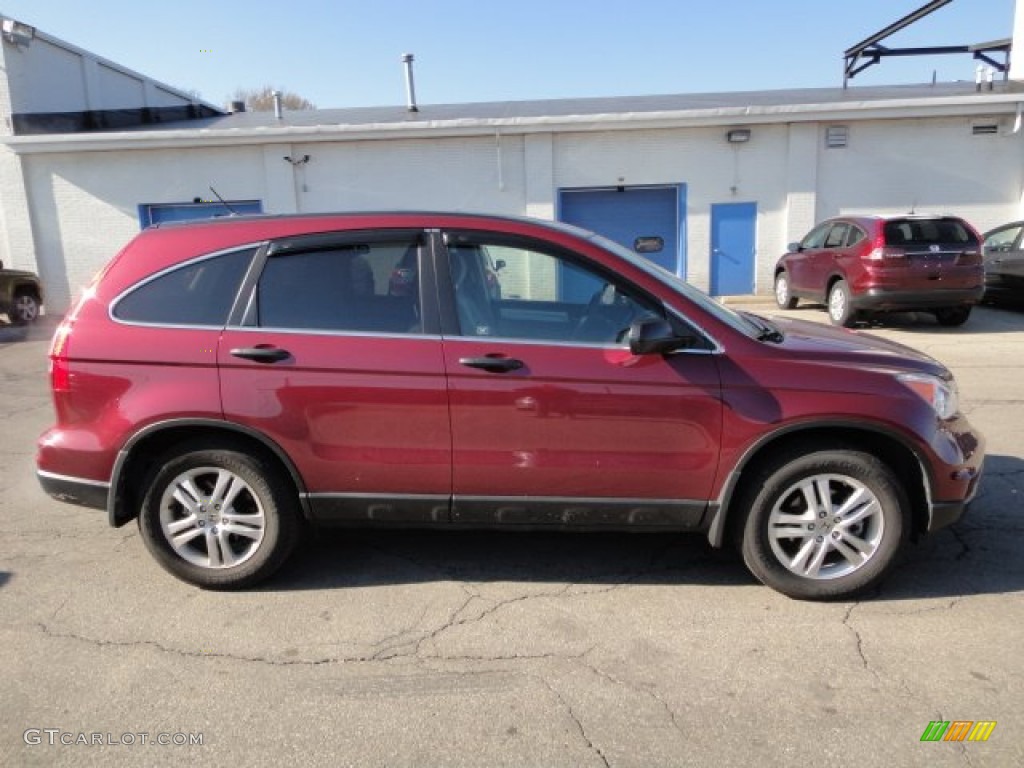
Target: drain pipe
410,86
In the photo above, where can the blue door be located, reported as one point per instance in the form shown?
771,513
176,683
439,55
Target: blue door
157,213
629,214
733,235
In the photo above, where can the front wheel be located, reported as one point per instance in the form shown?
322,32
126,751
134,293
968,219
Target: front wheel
824,525
783,297
219,518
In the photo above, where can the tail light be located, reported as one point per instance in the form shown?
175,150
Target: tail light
885,254
60,363
968,258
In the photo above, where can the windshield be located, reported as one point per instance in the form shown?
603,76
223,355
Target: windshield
711,306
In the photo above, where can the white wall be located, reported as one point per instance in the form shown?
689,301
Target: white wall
931,166
84,204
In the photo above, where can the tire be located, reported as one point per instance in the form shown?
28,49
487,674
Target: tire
838,558
239,490
25,309
951,317
840,312
783,297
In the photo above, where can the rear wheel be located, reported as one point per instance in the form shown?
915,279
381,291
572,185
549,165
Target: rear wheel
824,525
219,518
840,311
783,297
952,316
26,308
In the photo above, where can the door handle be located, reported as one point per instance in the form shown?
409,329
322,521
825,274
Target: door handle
492,364
261,354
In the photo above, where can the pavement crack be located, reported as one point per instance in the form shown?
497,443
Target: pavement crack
859,641
156,646
641,689
576,720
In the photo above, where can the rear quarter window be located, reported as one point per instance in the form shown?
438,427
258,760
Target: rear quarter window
198,293
925,232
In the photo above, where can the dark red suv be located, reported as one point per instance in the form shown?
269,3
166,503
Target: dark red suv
229,382
858,265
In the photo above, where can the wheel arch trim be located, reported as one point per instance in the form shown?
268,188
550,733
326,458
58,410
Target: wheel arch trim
719,509
116,513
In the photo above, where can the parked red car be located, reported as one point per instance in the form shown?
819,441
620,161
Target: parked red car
858,265
229,382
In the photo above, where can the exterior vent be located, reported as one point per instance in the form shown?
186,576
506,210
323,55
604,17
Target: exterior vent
836,136
985,129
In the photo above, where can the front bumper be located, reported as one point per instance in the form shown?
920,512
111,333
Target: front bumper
960,451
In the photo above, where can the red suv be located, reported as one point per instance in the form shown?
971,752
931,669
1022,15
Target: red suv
229,382
863,264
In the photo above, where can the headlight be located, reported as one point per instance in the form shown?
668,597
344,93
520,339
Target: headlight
938,393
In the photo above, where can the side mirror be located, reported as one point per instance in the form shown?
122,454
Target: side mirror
499,265
794,247
655,336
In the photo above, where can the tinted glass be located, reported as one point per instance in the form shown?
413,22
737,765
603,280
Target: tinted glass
522,293
357,287
816,237
200,293
1003,239
925,232
836,236
855,236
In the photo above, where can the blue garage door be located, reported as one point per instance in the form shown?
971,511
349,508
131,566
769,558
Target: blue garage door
629,214
733,232
157,213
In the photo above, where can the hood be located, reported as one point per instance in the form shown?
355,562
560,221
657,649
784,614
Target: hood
826,343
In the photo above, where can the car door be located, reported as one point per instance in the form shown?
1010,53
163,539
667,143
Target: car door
343,371
828,260
554,421
801,263
1004,258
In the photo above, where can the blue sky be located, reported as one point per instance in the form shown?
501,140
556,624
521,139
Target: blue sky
339,53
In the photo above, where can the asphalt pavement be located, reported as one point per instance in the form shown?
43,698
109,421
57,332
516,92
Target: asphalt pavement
492,649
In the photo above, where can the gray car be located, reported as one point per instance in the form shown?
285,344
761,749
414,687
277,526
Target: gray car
1004,263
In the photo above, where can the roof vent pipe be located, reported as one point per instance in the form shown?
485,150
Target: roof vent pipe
410,86
277,104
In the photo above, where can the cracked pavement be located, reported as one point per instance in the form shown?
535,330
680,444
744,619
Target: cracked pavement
442,648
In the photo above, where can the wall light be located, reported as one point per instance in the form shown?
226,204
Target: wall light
738,135
17,33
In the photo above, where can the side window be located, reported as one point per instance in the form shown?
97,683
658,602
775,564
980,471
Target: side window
524,293
199,293
855,236
836,236
1002,240
359,287
816,237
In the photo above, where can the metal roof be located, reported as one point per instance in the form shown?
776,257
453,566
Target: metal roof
861,97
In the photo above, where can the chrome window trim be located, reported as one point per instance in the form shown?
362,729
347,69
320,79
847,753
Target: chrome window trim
167,270
326,332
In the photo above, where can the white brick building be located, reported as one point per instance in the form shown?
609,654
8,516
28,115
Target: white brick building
69,200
